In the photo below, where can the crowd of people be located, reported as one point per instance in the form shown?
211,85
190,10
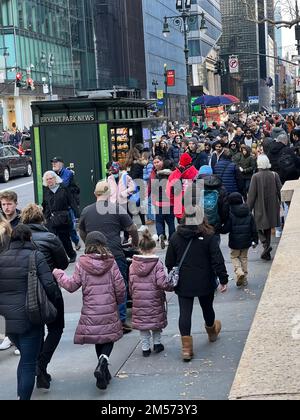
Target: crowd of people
193,188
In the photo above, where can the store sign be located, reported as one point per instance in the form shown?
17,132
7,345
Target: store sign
65,118
171,78
253,100
160,94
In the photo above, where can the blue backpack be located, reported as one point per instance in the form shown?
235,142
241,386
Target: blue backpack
135,196
211,209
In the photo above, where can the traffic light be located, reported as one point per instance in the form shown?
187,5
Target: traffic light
220,68
19,78
30,84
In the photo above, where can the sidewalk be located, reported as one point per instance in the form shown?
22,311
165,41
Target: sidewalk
161,376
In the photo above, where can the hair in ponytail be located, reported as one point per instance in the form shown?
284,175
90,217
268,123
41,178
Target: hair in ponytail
147,243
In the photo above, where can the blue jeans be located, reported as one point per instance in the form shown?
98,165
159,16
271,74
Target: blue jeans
150,215
122,264
29,345
73,233
162,219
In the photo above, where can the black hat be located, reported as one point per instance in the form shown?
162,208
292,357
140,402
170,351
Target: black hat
235,199
57,159
96,238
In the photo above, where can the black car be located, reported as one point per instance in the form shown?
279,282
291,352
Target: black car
13,163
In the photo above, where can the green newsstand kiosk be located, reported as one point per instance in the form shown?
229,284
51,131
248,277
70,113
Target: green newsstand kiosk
87,134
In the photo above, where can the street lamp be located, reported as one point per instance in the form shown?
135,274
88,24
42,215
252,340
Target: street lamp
155,84
183,21
50,64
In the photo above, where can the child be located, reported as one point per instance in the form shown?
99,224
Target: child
148,280
103,289
242,234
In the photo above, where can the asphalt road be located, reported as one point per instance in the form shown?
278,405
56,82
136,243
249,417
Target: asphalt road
23,187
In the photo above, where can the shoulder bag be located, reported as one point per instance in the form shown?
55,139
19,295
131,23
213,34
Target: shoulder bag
39,309
174,273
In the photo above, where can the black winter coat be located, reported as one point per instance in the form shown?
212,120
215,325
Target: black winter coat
274,153
50,246
241,228
56,202
199,159
202,264
14,267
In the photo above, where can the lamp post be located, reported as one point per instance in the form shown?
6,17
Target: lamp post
183,21
50,64
155,84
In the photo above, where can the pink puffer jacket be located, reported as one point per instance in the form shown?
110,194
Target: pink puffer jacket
103,289
148,281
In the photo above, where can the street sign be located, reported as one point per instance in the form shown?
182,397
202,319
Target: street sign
45,89
253,100
297,84
234,66
171,78
160,94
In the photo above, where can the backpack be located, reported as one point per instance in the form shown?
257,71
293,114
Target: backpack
211,208
287,164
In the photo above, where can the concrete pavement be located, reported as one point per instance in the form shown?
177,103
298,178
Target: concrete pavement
163,376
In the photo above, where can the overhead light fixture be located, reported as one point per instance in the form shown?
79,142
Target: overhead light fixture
166,29
179,4
188,4
203,27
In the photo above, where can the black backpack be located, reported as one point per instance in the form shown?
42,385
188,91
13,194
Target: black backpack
287,165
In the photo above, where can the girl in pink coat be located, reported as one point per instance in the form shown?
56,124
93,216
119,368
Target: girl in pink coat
103,289
148,281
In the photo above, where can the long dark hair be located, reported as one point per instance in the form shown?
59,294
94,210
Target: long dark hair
198,222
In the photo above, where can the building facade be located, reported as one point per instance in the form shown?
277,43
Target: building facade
48,42
253,43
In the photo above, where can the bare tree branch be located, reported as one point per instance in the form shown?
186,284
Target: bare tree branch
288,10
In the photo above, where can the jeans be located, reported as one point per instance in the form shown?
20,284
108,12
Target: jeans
150,215
73,232
162,219
29,345
122,264
186,305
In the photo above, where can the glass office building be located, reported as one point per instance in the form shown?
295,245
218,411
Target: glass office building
38,37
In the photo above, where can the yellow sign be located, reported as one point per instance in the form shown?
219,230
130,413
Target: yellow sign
160,94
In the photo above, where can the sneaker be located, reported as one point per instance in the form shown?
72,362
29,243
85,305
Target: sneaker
126,328
155,237
42,380
142,229
6,344
17,352
101,373
158,348
78,247
162,239
146,353
150,222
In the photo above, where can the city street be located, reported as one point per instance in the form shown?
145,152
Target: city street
23,187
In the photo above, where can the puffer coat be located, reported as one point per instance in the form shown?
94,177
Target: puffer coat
103,289
148,280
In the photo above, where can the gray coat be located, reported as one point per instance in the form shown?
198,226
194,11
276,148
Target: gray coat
265,198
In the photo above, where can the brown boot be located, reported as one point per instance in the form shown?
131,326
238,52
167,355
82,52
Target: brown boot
214,331
187,348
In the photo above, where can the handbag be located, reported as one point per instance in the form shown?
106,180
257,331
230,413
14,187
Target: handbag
175,272
38,307
60,219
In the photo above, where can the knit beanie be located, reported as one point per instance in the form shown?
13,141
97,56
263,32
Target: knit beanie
235,199
96,238
206,170
185,160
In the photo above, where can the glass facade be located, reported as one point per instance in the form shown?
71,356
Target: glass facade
62,29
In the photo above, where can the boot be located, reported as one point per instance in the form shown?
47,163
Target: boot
101,372
43,379
214,331
187,348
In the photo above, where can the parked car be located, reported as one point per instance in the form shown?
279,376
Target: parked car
25,146
13,163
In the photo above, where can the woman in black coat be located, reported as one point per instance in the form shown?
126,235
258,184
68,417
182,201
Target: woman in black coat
52,249
203,262
14,267
57,201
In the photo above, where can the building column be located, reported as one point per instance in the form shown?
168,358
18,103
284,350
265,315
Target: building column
19,113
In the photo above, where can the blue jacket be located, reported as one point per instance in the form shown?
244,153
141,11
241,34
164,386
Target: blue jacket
147,171
66,175
230,175
174,153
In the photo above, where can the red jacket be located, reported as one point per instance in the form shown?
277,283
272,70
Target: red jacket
175,189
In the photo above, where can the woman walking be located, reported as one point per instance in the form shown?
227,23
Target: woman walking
14,268
200,266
